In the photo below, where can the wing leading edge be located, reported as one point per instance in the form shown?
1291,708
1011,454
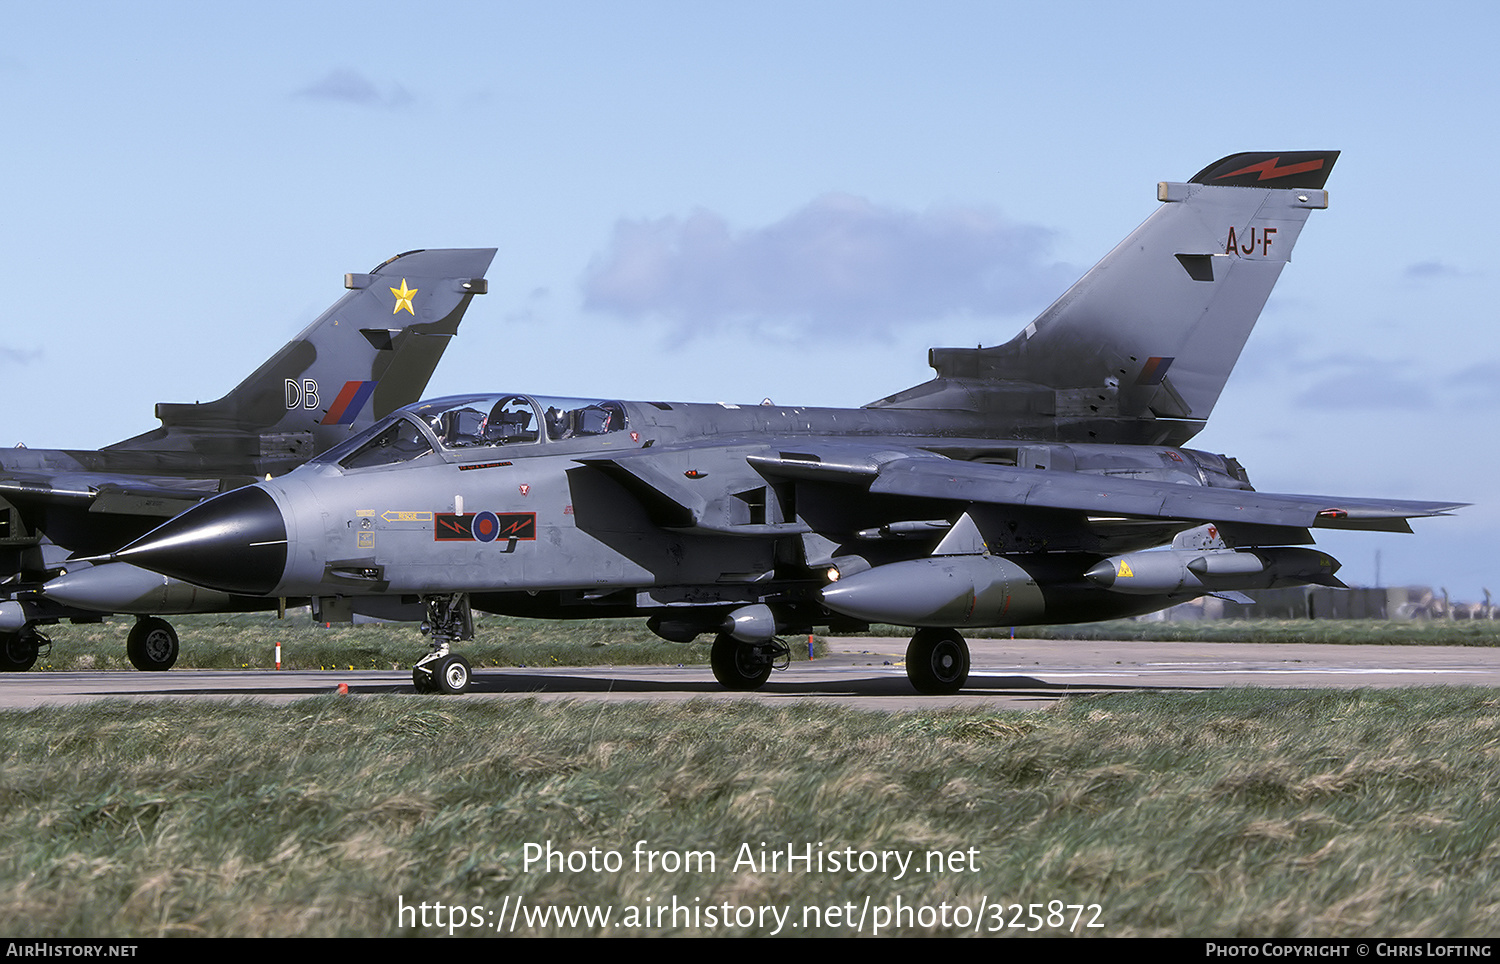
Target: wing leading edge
887,471
951,480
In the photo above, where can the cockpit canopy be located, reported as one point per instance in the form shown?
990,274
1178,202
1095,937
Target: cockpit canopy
461,424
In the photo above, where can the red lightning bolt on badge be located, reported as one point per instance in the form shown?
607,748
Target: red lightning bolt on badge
1269,170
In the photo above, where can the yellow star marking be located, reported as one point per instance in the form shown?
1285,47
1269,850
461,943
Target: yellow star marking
403,298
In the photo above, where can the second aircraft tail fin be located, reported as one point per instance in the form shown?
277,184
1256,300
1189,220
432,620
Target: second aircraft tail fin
369,354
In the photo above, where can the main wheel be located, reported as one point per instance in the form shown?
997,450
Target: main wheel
937,661
452,675
18,651
152,645
737,666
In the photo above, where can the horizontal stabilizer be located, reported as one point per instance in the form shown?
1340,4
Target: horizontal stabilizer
90,489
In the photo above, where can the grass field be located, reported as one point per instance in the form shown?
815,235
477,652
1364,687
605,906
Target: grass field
1436,632
1248,812
1236,813
248,641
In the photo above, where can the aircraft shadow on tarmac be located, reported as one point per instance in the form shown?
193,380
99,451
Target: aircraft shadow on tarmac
521,683
553,684
885,686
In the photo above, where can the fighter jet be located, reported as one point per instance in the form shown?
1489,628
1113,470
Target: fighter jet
1042,480
368,355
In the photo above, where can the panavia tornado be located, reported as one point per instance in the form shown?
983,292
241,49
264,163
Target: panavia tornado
368,355
1042,480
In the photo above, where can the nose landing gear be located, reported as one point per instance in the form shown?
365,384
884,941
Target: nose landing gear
449,619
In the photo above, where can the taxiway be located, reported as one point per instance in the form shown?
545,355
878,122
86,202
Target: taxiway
863,673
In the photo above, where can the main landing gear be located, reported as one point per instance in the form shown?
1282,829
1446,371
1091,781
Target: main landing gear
18,651
746,666
152,645
937,661
449,619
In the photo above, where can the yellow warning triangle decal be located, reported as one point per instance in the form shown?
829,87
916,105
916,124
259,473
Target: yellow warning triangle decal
1125,569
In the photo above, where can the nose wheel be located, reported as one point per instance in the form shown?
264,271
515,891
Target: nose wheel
449,619
447,673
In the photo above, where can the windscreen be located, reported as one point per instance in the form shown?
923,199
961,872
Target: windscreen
400,441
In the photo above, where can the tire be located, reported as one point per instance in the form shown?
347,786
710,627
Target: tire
422,680
18,651
736,665
452,675
937,661
152,645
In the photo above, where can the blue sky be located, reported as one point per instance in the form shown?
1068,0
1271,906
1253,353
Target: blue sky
188,182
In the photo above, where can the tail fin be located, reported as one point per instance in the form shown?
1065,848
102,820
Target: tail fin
369,354
1139,349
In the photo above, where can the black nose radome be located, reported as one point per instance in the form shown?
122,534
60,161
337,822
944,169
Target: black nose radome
235,542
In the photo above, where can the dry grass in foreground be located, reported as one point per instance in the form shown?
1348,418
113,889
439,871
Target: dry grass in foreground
1250,812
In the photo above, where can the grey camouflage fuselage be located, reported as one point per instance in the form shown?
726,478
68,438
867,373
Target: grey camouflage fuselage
1024,483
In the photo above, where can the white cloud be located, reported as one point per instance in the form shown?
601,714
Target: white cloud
353,87
15,356
1361,381
840,265
1432,270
